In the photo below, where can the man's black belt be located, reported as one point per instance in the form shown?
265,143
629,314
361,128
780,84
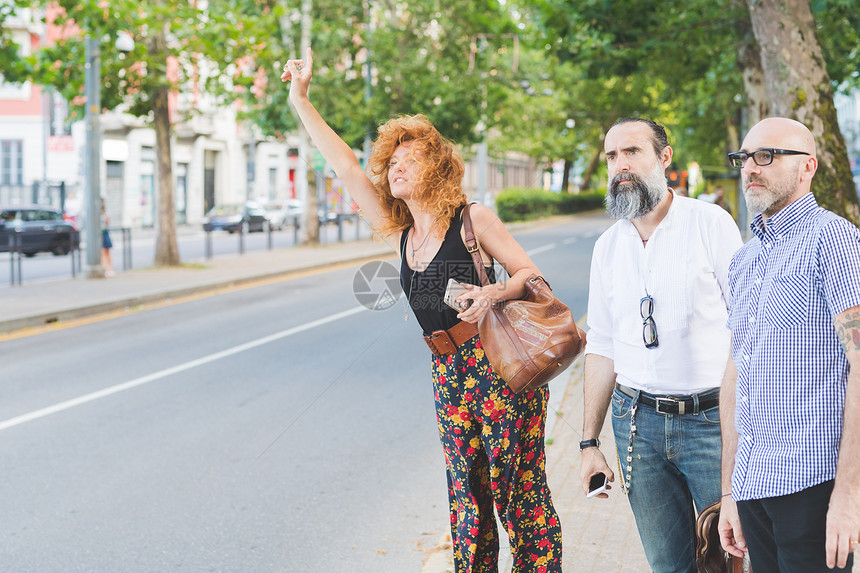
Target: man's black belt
674,404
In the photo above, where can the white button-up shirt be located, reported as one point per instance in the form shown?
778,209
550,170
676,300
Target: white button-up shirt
684,267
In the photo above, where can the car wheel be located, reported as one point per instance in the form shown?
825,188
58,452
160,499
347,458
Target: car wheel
61,246
29,254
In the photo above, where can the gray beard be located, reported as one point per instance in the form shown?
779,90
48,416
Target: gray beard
638,197
776,192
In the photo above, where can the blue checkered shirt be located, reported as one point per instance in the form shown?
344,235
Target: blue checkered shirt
787,283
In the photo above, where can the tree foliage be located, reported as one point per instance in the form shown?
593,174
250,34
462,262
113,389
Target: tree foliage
12,66
419,53
180,47
582,64
681,58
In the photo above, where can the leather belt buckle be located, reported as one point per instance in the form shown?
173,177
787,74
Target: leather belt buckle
440,343
669,402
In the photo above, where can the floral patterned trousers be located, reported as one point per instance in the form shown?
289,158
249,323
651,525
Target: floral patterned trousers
494,449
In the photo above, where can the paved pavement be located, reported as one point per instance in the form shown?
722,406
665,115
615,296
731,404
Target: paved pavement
599,535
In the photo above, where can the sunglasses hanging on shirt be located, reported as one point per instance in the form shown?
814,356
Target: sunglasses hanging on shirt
649,327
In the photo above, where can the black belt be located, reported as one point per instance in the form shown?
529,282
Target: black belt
674,404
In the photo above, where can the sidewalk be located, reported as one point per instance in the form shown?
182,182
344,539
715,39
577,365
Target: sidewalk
40,303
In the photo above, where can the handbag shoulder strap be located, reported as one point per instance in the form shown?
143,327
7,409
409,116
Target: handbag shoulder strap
472,246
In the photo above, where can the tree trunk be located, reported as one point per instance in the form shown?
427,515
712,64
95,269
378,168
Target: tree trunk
750,66
799,88
593,164
310,233
565,177
757,103
166,249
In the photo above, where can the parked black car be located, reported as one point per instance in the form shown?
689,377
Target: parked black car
41,229
250,217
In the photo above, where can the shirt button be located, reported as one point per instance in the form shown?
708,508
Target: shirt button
767,245
743,398
758,281
746,357
752,319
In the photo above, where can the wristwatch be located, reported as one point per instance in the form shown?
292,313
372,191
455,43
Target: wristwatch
593,443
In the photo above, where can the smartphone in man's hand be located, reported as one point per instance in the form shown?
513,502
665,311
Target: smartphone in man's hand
597,484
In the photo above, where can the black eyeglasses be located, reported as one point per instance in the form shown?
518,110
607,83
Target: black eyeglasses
761,157
649,327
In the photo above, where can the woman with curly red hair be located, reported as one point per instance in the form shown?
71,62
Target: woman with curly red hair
493,439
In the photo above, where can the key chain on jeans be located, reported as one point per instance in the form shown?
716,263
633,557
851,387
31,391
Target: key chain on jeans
625,481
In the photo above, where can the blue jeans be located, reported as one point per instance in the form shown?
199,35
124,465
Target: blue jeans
676,463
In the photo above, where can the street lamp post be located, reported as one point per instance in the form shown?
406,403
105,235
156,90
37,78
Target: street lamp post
477,44
93,161
92,190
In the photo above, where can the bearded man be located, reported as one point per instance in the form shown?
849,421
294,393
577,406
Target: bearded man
791,393
658,344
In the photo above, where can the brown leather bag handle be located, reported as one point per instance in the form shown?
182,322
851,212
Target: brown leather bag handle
472,246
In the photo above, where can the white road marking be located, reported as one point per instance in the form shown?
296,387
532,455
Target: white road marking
541,249
93,396
570,240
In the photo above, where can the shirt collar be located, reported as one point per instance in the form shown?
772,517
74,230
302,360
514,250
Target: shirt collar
786,218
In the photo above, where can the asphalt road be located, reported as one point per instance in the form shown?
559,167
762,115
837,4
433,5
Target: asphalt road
277,428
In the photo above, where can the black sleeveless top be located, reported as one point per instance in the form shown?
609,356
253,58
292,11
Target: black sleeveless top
426,290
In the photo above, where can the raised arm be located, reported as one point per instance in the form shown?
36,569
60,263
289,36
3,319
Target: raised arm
843,514
335,150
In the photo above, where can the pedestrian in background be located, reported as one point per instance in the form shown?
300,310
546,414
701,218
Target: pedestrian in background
493,439
791,393
718,197
107,244
657,308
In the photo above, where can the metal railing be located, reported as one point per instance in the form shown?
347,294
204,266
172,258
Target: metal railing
126,245
17,253
325,219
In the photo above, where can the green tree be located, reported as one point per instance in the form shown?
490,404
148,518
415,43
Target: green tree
700,59
179,47
12,66
419,60
674,65
800,88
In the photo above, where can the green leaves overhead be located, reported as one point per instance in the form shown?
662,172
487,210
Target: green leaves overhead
580,64
175,44
419,59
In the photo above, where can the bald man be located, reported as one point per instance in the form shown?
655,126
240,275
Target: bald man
790,397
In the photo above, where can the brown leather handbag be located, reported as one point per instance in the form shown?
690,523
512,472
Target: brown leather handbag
710,556
528,342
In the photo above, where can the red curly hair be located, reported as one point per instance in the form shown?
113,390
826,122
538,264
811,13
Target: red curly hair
439,188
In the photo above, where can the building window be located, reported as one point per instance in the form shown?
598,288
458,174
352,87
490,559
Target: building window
273,179
11,162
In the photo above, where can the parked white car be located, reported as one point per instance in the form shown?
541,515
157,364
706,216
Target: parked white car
284,213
